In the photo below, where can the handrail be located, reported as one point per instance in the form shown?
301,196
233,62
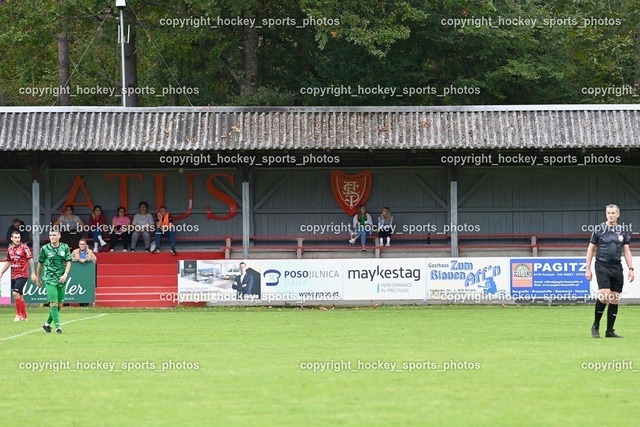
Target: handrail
298,244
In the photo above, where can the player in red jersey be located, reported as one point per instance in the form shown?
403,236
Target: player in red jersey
19,258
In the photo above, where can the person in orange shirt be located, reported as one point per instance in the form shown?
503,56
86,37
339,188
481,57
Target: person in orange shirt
164,227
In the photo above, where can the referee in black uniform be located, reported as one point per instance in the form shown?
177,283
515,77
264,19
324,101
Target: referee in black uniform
609,241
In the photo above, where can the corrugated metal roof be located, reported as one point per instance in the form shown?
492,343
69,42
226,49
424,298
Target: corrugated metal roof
278,128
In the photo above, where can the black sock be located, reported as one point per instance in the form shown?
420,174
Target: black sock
600,306
612,313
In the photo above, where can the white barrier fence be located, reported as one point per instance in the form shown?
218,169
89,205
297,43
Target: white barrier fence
326,281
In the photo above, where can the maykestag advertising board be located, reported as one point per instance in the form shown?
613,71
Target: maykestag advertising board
384,279
559,279
461,280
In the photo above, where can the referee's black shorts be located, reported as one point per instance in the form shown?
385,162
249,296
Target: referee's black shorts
609,276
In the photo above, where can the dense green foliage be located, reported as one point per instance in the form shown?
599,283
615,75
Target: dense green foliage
326,52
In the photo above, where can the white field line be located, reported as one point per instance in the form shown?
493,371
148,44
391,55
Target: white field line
40,328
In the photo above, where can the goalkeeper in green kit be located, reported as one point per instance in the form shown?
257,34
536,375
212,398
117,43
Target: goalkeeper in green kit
55,260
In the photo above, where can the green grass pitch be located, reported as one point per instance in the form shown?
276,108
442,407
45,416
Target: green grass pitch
383,366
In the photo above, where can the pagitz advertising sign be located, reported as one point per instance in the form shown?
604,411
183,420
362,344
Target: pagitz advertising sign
549,278
384,279
468,279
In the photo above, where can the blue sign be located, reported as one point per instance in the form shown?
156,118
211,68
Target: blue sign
549,278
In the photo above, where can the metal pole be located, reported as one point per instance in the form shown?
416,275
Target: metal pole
246,223
122,41
35,218
453,206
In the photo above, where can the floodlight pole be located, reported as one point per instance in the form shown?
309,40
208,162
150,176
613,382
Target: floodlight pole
121,4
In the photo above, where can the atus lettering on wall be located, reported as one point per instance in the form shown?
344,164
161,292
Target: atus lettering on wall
79,194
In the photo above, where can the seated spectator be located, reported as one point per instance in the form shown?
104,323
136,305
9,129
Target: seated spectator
385,226
98,226
18,225
83,253
120,229
362,223
164,227
70,227
142,223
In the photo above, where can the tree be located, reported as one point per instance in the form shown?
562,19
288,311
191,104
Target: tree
320,52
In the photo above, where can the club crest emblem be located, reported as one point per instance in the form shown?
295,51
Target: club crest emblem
350,190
